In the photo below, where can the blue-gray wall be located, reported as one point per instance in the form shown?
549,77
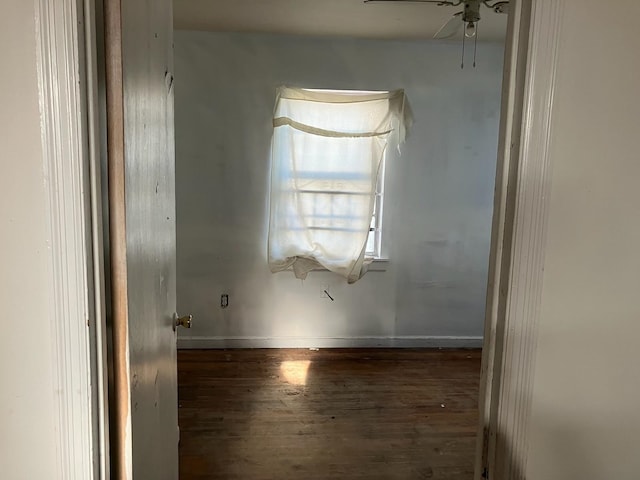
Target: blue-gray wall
437,211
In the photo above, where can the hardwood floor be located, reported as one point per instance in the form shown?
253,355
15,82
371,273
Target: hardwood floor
330,414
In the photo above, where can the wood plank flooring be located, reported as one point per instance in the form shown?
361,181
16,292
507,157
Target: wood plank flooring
375,414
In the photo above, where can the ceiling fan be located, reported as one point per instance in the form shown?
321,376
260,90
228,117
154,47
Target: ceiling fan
465,20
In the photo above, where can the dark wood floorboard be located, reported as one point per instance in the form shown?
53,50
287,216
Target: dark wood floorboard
375,414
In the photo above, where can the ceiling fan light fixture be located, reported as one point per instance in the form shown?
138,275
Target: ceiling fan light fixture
470,29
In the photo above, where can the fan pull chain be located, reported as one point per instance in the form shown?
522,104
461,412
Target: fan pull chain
475,45
463,37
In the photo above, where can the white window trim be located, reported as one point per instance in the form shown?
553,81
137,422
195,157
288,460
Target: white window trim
378,214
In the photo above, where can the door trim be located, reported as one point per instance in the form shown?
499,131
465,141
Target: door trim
518,239
121,435
69,161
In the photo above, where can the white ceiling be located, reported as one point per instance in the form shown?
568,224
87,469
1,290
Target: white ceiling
350,18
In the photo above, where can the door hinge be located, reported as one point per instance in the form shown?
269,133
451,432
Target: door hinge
485,473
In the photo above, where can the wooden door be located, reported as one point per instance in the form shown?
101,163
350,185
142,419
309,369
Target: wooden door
141,173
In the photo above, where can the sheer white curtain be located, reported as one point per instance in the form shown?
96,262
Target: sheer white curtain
327,150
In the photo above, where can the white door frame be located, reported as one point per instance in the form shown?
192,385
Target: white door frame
518,238
68,102
65,31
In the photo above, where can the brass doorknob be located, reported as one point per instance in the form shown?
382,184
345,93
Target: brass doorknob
182,321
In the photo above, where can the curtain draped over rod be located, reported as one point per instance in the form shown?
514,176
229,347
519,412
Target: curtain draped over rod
327,150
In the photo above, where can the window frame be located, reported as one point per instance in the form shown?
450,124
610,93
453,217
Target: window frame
377,217
374,252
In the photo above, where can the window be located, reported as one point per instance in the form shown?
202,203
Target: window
327,176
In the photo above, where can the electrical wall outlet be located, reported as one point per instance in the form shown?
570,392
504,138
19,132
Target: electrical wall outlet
224,300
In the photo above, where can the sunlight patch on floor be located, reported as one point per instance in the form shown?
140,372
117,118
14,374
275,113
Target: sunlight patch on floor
295,371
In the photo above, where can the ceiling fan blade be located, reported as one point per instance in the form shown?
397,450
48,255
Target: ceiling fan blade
439,2
450,28
501,7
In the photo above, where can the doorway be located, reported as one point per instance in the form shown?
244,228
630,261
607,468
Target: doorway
426,293
534,119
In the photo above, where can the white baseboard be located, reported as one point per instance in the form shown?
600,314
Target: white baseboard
329,342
